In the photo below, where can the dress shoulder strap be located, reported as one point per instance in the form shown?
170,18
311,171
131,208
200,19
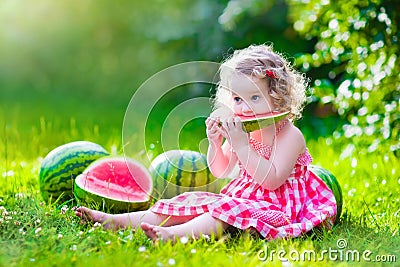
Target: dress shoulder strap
279,127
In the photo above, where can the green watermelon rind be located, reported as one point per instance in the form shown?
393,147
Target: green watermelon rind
168,170
85,197
333,184
63,164
251,125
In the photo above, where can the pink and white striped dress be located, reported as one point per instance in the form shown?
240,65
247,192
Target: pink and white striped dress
303,202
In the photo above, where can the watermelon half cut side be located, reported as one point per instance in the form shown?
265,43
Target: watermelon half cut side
260,121
115,184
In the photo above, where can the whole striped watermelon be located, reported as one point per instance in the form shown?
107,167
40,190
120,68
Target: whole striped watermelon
333,184
61,166
178,171
115,184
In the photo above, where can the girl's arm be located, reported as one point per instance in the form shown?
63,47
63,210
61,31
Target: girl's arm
272,173
220,158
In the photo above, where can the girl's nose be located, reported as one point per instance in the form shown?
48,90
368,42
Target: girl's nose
246,108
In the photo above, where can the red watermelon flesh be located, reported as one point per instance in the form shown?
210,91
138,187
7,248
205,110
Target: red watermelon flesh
116,181
261,116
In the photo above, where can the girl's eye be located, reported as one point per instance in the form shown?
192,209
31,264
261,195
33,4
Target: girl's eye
255,97
237,99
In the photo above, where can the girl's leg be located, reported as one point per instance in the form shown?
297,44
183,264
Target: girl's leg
202,224
132,219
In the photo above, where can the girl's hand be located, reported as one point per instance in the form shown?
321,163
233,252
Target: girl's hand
234,133
214,131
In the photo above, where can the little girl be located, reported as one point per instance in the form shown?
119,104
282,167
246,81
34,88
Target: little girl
274,194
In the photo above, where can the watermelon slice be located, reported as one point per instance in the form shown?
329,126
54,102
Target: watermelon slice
117,184
253,123
260,121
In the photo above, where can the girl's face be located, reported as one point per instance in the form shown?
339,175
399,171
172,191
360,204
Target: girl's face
249,96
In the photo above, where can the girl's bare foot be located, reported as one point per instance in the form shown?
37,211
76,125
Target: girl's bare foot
157,232
89,215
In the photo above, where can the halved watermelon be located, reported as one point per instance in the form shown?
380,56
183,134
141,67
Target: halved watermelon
260,121
117,184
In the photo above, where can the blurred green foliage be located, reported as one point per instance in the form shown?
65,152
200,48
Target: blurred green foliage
356,65
352,60
85,59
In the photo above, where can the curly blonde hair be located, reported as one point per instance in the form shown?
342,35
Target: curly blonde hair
286,86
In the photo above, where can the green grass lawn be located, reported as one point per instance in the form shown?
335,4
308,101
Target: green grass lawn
33,233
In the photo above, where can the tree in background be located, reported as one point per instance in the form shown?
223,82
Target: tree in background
359,43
